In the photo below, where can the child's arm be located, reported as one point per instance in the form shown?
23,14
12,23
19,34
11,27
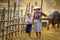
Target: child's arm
28,22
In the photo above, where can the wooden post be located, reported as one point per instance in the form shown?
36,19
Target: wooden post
18,25
13,28
21,19
36,3
18,5
29,6
10,13
0,22
22,22
41,4
31,9
3,18
26,10
14,7
8,18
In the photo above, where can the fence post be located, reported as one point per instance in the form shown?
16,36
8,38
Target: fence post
31,9
3,18
14,15
18,20
36,3
41,4
8,18
26,10
21,19
0,22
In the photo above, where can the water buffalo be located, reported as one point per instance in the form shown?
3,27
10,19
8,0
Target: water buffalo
54,19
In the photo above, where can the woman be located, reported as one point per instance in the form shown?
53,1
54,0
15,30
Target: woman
28,24
37,22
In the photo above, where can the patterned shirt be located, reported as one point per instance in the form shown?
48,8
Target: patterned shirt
37,15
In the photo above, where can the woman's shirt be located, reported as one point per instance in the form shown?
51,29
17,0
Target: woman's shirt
37,16
28,20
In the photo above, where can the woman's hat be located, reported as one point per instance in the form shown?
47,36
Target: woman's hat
36,7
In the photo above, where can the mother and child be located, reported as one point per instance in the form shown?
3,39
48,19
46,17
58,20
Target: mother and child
35,20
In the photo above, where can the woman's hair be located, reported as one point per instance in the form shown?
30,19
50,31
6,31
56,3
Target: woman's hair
37,9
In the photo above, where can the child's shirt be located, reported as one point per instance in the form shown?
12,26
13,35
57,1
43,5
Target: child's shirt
28,20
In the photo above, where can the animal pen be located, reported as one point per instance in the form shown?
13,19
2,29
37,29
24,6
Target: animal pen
11,24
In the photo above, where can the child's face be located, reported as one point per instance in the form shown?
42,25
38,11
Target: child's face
28,15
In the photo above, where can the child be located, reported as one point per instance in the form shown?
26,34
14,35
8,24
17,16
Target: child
28,21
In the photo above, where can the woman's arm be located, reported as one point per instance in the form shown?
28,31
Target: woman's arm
43,14
33,19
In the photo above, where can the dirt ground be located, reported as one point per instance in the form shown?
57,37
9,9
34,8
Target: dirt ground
46,35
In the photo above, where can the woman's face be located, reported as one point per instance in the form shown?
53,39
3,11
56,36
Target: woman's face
37,10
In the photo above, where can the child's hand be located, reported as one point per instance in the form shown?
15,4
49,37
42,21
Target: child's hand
28,22
32,23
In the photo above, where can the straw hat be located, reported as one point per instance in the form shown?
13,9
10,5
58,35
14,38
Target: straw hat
36,7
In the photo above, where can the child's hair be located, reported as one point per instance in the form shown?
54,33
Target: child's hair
28,13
